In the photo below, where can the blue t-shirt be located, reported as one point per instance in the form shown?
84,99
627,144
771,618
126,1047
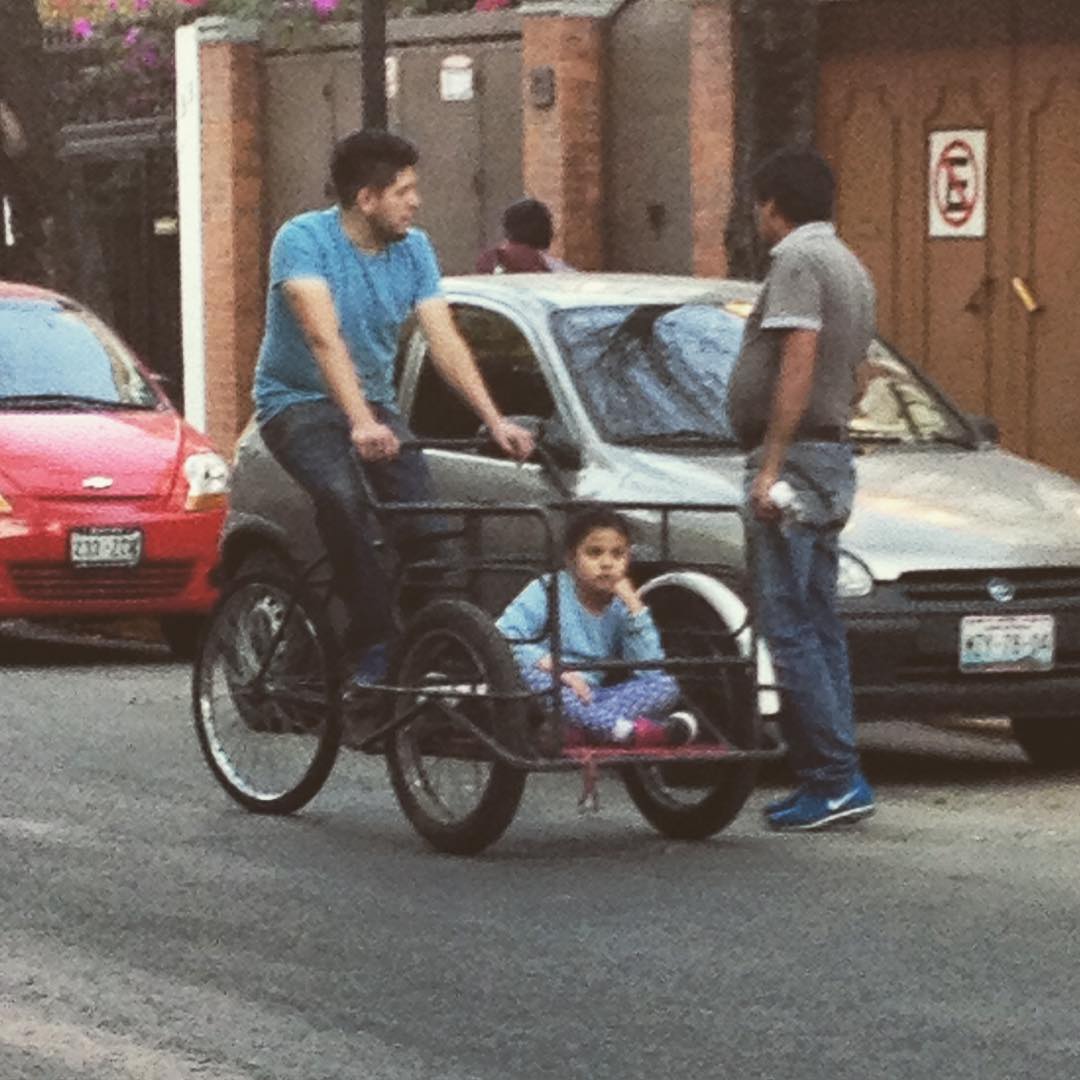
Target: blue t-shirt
614,634
373,294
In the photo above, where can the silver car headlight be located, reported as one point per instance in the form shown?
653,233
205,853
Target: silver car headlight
853,579
207,476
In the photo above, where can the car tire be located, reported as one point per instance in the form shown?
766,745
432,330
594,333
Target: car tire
182,633
1051,742
695,801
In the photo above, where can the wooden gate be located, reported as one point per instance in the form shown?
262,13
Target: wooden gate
993,316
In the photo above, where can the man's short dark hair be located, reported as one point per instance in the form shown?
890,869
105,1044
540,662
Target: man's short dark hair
528,221
584,521
368,159
799,181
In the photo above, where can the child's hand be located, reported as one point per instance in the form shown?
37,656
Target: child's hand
625,591
578,683
544,664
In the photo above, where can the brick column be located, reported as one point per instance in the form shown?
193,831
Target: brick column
712,131
563,102
220,150
233,264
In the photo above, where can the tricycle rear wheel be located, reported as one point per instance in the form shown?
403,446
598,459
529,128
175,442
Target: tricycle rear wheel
457,793
692,801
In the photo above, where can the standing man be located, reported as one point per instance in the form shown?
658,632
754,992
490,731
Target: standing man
790,401
342,283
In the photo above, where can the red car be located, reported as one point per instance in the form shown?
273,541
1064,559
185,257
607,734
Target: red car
110,503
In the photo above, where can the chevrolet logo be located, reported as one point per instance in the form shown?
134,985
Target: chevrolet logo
97,483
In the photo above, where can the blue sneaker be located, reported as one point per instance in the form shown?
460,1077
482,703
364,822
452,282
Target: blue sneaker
815,809
785,802
371,668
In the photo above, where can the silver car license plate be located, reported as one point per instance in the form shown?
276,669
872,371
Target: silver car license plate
1002,643
105,547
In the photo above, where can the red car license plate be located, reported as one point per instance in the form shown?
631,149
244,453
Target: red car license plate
105,547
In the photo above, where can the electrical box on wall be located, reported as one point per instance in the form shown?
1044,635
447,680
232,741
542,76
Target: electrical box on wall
542,87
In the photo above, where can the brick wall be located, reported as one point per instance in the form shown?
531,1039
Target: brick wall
232,208
563,152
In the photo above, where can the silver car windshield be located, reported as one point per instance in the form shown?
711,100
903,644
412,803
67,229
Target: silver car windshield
53,356
653,373
658,374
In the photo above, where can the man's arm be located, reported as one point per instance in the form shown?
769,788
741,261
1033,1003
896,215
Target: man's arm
798,354
454,362
313,305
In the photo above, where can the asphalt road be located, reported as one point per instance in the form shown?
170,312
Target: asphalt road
150,929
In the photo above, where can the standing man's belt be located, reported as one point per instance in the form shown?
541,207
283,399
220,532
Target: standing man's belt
806,434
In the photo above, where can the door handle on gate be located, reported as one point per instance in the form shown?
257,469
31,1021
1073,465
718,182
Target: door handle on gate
1025,295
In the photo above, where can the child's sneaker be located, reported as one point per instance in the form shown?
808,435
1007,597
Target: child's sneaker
675,730
684,727
649,733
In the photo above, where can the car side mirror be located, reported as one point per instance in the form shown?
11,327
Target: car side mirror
556,441
986,429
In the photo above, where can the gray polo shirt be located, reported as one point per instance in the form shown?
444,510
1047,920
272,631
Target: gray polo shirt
815,282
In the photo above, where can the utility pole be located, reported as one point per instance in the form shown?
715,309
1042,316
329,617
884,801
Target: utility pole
373,59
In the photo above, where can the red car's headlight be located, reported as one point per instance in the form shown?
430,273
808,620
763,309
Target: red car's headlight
207,476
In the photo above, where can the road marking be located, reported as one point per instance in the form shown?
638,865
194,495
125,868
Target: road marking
35,830
80,1048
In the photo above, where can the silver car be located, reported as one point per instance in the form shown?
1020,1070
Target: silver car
960,572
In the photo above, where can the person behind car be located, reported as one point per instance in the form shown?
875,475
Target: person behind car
601,617
342,282
790,402
529,231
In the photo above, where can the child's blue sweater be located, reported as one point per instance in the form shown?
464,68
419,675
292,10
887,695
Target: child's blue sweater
614,634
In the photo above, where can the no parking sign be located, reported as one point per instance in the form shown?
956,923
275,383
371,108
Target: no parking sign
958,183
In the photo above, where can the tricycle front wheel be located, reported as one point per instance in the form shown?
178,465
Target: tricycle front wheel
265,694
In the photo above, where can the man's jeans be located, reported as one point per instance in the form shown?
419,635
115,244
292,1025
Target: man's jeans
312,443
793,568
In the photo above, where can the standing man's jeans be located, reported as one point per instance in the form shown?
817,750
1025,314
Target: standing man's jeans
793,567
312,442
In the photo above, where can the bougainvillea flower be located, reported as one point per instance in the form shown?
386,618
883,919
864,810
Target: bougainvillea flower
324,7
142,5
132,36
492,5
82,29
